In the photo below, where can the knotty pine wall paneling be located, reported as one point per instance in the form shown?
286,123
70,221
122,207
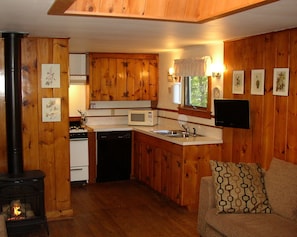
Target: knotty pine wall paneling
282,48
45,144
292,103
273,118
30,104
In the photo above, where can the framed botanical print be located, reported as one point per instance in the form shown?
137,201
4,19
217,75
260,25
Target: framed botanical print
281,81
238,82
50,76
257,82
51,109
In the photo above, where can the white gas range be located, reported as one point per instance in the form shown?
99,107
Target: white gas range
79,154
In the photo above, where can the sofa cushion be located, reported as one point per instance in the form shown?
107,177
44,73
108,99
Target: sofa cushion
281,186
251,225
239,188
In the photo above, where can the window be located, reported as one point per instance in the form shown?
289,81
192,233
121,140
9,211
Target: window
197,96
196,89
196,86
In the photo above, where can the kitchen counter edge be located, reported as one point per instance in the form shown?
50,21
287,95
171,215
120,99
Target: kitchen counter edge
188,141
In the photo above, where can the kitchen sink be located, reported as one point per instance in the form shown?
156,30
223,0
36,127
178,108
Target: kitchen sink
174,133
171,133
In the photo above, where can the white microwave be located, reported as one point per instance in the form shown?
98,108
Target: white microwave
142,117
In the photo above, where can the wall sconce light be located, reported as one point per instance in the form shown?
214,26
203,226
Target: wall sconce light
217,70
217,75
171,77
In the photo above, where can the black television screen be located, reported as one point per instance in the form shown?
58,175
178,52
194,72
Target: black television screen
232,113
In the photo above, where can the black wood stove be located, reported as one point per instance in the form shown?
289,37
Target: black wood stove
22,201
21,192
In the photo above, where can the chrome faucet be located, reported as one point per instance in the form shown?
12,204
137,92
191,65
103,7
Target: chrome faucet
194,132
187,130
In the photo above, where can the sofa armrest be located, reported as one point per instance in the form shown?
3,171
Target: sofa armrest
206,202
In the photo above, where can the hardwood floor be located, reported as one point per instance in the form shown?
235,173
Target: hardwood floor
123,209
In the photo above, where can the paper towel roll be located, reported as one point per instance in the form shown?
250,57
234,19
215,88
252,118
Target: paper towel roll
176,93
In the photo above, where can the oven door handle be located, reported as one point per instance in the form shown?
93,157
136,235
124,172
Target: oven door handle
76,169
78,139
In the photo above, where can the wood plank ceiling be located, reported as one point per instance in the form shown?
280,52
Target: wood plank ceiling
194,11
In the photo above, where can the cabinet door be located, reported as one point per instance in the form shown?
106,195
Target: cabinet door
175,184
196,165
146,79
135,159
123,77
152,86
103,79
133,78
191,181
124,85
165,171
108,79
171,174
146,164
157,171
94,78
141,80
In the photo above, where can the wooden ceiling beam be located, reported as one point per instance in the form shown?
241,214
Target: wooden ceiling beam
59,7
194,11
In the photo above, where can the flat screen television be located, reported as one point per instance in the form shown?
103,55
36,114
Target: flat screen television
232,113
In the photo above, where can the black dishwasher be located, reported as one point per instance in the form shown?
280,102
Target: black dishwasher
113,156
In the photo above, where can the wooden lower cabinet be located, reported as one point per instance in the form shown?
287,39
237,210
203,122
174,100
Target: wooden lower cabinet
172,169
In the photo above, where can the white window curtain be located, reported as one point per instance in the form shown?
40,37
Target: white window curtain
191,66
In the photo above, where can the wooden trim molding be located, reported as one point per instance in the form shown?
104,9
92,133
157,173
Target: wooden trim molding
214,9
195,112
167,110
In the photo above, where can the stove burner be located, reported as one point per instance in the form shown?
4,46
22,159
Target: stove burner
75,127
76,131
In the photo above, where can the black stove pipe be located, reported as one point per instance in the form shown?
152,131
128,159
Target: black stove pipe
13,100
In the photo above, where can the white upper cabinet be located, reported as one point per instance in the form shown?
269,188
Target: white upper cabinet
78,64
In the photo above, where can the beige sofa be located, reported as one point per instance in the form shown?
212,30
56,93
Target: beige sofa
281,187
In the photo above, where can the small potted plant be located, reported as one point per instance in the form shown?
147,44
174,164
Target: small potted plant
83,118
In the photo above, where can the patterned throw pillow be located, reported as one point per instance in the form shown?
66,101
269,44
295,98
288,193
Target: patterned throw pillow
239,188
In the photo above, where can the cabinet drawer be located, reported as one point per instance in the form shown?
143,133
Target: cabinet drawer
79,173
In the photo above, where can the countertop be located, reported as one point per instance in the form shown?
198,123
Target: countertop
110,128
198,140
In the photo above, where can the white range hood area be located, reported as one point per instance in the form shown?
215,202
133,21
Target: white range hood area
78,68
